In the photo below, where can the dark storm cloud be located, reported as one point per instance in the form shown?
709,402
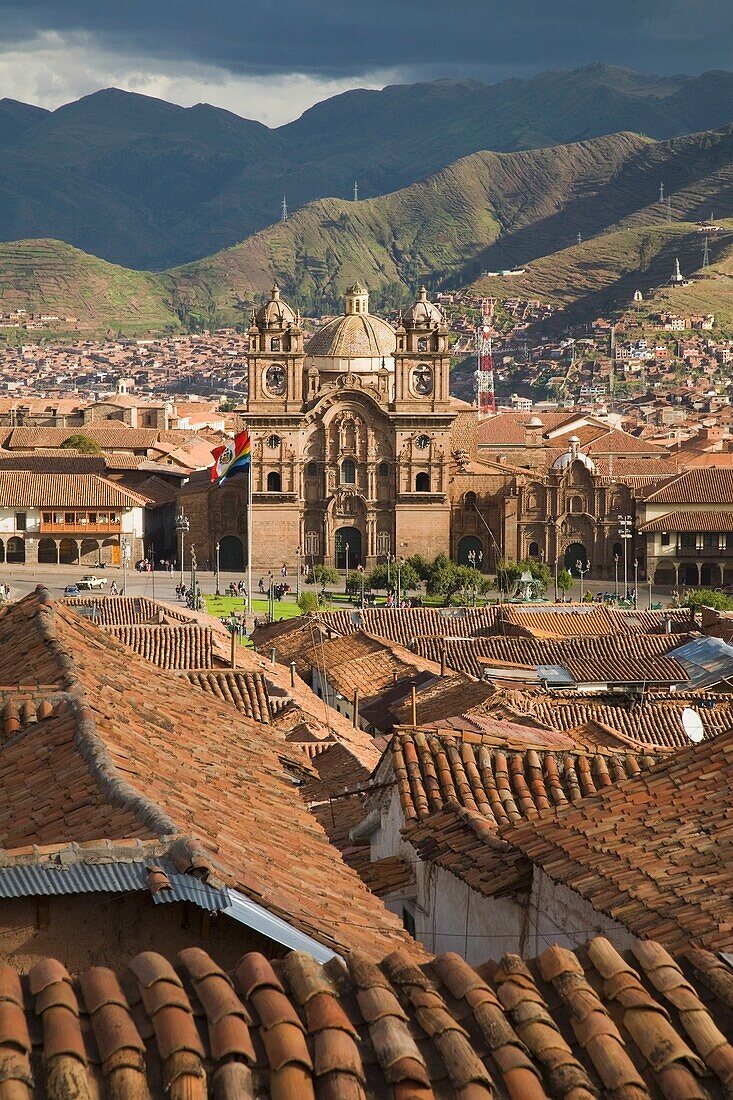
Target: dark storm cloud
333,38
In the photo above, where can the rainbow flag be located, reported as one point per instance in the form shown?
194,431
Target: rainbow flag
232,459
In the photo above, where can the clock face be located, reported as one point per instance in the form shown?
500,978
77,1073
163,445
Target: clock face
275,380
423,442
422,380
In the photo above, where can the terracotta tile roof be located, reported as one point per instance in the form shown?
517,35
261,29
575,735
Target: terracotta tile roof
247,691
508,428
695,487
107,610
654,852
435,771
656,721
622,659
133,752
179,646
567,1024
690,521
583,620
33,489
107,433
53,462
402,625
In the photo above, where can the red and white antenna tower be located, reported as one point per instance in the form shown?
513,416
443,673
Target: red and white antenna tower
484,361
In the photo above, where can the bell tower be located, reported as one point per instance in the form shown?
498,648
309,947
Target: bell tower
275,360
422,358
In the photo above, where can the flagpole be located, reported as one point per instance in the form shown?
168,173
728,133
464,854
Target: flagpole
249,534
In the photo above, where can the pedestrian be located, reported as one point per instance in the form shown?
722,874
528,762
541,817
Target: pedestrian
113,589
262,585
284,570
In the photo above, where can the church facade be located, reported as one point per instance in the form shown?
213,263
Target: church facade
351,441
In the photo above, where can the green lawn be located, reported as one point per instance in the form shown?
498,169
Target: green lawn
224,605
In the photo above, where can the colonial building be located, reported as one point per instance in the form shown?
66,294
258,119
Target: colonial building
687,526
351,441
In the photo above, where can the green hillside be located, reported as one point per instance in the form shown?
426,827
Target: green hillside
485,212
56,278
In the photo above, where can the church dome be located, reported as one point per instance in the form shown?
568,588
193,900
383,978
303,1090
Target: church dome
358,334
573,454
275,313
423,312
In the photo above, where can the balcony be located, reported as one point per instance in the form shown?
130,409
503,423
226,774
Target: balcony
88,529
691,552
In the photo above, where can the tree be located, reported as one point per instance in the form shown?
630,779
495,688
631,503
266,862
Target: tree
323,575
706,597
82,443
383,580
446,578
308,602
564,580
421,565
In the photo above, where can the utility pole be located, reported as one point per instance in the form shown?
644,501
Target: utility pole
356,191
283,210
661,192
580,238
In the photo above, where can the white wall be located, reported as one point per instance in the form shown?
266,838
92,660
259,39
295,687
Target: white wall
450,916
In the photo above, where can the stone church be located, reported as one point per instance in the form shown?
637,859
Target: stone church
352,438
359,453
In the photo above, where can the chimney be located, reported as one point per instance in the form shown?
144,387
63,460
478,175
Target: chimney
442,658
233,655
356,708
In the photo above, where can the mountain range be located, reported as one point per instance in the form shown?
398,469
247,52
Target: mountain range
150,185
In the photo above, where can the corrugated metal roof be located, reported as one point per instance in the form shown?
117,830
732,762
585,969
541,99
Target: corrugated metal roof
706,661
34,880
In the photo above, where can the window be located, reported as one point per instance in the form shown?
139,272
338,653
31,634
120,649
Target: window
48,517
534,550
422,343
469,502
688,541
422,483
275,343
665,538
274,482
408,921
20,518
312,469
68,517
273,442
383,470
348,472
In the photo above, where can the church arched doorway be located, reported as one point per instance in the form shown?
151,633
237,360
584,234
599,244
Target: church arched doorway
348,537
231,554
575,553
470,551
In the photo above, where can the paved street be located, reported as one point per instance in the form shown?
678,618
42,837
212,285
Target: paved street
23,579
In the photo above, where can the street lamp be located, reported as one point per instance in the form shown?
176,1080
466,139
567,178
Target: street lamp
636,582
182,525
615,565
217,569
125,544
194,588
297,574
360,569
582,572
624,527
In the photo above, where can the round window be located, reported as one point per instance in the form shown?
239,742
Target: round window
275,380
422,380
273,442
423,442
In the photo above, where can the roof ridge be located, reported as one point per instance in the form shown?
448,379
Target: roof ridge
89,744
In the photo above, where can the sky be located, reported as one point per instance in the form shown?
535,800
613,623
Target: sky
271,59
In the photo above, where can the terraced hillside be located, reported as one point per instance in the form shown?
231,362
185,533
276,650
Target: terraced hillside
52,276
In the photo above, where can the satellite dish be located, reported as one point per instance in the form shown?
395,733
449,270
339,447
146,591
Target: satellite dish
692,725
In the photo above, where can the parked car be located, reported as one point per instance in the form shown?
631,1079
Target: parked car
72,590
91,582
